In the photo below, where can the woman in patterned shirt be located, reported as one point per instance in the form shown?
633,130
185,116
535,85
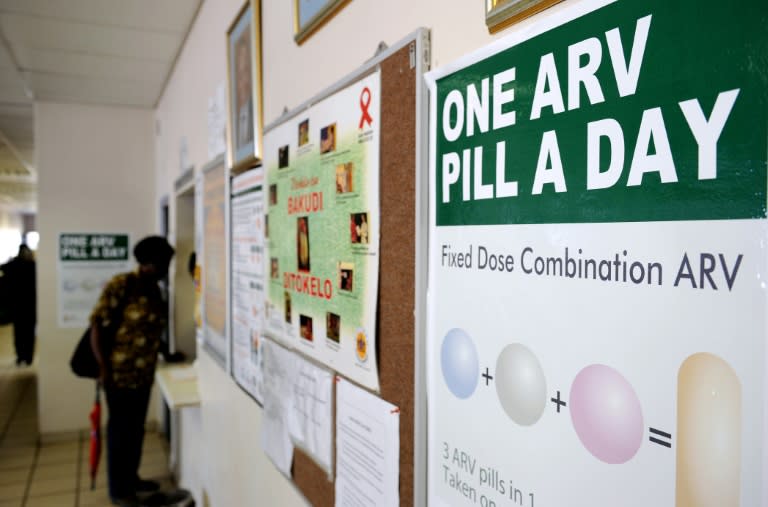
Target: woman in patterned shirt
126,330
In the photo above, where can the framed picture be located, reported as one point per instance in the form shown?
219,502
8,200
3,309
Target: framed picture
500,14
245,119
309,15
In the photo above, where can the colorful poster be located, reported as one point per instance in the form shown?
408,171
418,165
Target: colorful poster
247,222
86,263
215,260
597,302
198,274
323,230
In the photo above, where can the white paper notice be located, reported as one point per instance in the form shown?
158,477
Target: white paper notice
367,448
310,420
277,390
217,122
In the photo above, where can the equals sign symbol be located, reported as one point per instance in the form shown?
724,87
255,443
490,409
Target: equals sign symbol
661,434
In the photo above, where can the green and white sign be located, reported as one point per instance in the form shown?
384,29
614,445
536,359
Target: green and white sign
86,263
323,230
597,301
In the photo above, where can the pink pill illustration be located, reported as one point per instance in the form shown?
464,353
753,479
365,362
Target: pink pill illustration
606,414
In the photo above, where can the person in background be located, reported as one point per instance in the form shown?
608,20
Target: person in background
21,297
131,306
191,263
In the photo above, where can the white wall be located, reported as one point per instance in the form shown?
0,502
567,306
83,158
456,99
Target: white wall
95,175
10,234
220,446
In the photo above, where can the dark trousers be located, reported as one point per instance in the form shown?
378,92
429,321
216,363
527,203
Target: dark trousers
24,339
125,437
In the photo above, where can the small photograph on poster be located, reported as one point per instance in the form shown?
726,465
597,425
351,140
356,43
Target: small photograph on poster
304,132
333,326
274,271
254,347
302,243
282,157
266,226
305,327
361,345
328,138
344,178
273,194
346,274
358,228
287,306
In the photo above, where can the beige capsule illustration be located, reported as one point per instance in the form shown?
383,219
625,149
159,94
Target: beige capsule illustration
708,433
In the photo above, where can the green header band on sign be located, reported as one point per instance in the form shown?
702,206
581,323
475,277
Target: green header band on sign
93,247
629,113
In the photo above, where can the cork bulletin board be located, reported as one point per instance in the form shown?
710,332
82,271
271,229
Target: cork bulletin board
401,284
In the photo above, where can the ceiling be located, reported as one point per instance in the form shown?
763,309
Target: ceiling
107,52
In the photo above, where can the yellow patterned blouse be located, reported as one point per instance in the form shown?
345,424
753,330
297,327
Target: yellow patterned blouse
138,337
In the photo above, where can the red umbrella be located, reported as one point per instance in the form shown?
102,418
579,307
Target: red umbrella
95,450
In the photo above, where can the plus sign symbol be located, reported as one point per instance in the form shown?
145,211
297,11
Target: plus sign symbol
558,402
487,376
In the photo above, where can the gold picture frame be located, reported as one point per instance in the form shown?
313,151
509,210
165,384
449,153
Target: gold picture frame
245,124
500,14
310,15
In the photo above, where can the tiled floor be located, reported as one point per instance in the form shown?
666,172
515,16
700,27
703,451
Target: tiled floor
56,474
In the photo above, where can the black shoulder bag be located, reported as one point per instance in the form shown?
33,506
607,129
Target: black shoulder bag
83,361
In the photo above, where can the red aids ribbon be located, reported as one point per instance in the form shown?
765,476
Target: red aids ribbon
365,101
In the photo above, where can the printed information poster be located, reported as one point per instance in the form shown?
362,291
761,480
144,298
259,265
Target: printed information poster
597,298
323,230
86,263
215,260
247,223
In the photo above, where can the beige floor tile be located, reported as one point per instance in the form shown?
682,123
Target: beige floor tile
25,418
94,497
154,457
17,461
53,455
154,444
13,490
85,466
11,475
155,453
154,472
29,421
70,445
18,430
44,487
155,438
155,441
85,481
58,500
12,452
55,471
19,441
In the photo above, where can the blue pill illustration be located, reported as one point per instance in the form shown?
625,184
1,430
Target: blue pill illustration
459,362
